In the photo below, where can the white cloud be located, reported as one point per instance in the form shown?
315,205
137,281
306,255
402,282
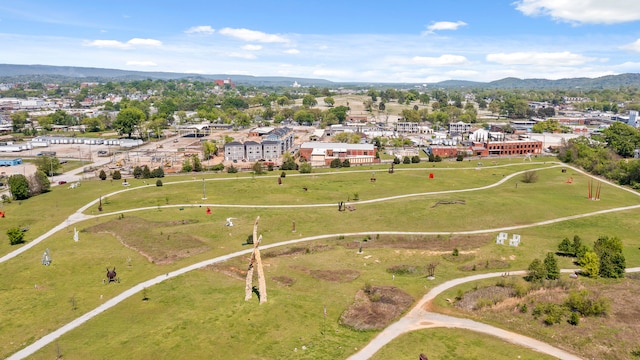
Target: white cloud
247,56
634,46
252,35
141,63
122,45
583,11
442,60
564,58
292,51
443,25
250,47
202,29
332,73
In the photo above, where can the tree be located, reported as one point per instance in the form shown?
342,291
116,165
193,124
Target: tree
157,172
346,163
209,149
127,120
39,183
15,235
48,164
186,165
232,169
257,168
406,160
536,271
335,163
146,173
309,101
19,186
415,159
305,168
19,120
612,261
590,264
137,172
551,266
102,175
329,101
565,247
116,175
622,138
197,164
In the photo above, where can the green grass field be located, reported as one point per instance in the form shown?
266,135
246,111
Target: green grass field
203,313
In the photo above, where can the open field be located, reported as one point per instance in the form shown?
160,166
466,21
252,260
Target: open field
203,313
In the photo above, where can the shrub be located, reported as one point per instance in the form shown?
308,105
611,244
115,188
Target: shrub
530,177
574,319
15,235
217,167
305,168
587,304
335,163
102,175
346,163
437,158
459,157
232,169
415,159
406,160
116,175
158,182
283,174
523,308
455,252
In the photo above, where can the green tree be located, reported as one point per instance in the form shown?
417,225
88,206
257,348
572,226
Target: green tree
257,168
128,119
232,169
19,186
536,271
39,183
406,160
415,159
309,101
329,101
305,168
590,264
116,175
197,164
146,173
186,165
565,247
209,149
137,172
335,163
157,172
102,175
612,261
622,138
19,120
551,266
346,163
15,235
48,164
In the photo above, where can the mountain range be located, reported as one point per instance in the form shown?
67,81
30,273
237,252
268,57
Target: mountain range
60,74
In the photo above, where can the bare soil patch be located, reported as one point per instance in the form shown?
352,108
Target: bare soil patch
433,243
284,280
375,307
487,264
230,270
341,276
161,243
296,250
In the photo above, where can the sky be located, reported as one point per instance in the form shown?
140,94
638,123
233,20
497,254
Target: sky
416,41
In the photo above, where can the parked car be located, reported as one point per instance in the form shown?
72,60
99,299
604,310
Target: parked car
61,182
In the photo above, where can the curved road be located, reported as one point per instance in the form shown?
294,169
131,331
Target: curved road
417,318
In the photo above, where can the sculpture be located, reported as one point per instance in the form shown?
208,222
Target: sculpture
256,261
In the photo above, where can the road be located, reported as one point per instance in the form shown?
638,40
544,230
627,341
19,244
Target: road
417,318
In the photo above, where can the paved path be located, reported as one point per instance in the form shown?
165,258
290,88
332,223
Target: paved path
417,318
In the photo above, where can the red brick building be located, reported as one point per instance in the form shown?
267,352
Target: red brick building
321,154
507,147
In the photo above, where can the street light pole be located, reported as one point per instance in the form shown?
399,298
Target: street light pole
204,194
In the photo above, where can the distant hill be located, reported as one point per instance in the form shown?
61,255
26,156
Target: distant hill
46,73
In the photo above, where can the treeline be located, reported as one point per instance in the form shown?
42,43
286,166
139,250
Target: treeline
609,154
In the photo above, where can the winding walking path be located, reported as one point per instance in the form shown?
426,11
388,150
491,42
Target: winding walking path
417,318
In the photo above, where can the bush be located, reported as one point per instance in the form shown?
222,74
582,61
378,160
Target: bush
217,167
587,304
335,163
102,175
116,175
459,157
15,235
137,172
415,159
283,174
530,177
157,173
158,182
406,160
305,168
346,163
437,158
232,169
574,319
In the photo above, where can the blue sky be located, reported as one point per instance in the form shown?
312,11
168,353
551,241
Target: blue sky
350,40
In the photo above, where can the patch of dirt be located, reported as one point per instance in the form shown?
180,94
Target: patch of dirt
341,276
152,240
375,307
296,250
230,270
432,243
284,280
487,264
482,297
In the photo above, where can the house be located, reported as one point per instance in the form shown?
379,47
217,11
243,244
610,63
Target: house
407,127
321,154
233,151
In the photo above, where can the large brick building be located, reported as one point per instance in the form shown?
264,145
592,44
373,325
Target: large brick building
321,154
